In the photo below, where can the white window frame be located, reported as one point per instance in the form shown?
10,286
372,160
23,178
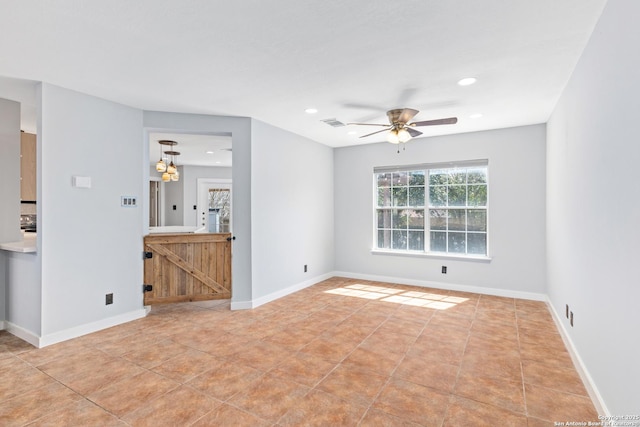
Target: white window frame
427,231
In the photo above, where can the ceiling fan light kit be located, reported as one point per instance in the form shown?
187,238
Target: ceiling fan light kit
400,127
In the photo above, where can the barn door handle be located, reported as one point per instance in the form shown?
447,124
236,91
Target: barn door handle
231,238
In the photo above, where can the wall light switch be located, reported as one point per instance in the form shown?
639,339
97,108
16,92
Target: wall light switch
81,181
128,201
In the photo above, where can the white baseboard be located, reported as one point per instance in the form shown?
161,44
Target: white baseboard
23,334
594,394
88,328
2,326
445,286
77,331
257,302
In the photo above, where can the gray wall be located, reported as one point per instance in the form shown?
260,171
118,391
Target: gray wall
516,211
593,207
292,209
3,285
90,245
189,175
173,193
23,298
10,166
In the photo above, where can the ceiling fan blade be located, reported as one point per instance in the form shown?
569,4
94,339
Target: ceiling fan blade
413,132
368,124
373,133
447,121
407,114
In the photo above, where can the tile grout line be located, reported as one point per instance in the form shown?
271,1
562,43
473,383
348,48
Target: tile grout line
394,370
524,389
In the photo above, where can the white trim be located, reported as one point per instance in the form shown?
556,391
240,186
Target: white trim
23,334
88,328
437,255
241,305
445,286
2,326
67,334
245,305
586,378
201,184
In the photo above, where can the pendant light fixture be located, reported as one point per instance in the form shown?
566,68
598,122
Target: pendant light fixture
161,166
169,172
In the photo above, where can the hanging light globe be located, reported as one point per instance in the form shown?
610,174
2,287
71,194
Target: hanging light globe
171,169
161,166
166,177
393,137
403,135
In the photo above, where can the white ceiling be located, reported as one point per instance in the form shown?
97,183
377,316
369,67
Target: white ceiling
352,60
200,150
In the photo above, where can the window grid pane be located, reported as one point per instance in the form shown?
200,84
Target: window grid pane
458,225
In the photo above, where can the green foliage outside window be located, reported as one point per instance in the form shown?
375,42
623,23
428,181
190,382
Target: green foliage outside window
454,201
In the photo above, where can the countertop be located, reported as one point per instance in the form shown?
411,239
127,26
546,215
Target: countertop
26,245
176,229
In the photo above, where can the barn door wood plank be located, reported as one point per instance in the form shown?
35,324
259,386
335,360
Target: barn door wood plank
189,269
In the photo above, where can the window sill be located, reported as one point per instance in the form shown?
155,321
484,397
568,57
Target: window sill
435,255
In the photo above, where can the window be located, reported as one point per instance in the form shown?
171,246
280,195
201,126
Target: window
437,208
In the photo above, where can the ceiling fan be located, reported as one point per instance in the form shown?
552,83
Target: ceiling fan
401,129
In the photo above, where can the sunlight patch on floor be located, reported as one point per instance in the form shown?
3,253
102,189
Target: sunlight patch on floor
399,296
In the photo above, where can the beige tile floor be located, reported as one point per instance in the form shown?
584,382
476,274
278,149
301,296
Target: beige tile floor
342,352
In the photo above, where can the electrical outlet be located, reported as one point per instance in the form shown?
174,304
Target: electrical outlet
305,268
566,310
571,318
108,299
444,269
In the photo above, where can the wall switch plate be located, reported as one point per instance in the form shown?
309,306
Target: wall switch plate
566,310
305,268
81,181
571,318
444,269
108,299
128,201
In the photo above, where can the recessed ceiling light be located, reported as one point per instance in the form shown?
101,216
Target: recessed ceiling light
311,110
209,152
353,132
467,81
475,116
218,162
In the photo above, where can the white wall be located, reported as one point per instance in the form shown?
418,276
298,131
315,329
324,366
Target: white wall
594,207
89,245
516,211
292,209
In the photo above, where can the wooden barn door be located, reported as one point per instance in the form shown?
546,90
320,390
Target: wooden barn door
187,267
